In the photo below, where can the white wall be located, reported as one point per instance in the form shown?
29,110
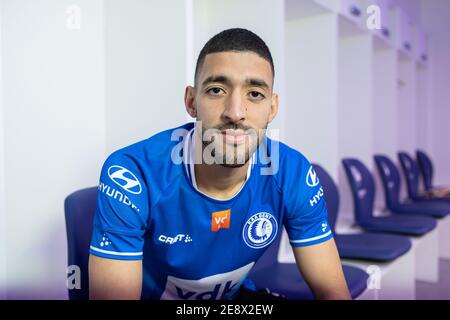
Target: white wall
54,124
355,110
423,114
145,47
407,106
2,178
385,102
435,17
311,88
411,7
355,114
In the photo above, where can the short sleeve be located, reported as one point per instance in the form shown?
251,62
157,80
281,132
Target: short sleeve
121,212
306,216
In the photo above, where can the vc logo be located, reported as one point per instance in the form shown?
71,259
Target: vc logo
125,178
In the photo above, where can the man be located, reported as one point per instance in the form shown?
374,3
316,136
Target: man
186,213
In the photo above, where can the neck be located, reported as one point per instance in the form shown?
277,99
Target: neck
226,182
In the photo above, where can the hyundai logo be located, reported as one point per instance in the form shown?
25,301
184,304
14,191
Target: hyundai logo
312,179
125,178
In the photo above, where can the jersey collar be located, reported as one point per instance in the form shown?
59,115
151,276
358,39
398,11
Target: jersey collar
189,163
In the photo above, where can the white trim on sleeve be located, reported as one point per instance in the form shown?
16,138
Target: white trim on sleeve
116,253
311,239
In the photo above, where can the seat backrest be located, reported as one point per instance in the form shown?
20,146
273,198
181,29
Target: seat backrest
330,194
411,173
79,210
362,185
426,168
390,178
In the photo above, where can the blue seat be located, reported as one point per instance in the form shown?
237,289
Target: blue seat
426,168
390,178
285,278
427,171
411,172
363,189
366,246
79,210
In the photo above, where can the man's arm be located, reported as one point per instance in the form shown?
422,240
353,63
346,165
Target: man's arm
321,268
114,279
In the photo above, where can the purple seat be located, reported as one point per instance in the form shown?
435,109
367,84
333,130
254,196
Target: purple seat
390,177
285,278
79,213
426,168
366,246
363,189
411,171
372,246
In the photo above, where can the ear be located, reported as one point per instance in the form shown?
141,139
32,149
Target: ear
273,107
189,101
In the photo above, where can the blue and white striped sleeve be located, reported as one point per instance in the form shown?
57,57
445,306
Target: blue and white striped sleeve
306,216
122,210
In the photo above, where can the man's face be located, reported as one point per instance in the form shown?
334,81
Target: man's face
233,99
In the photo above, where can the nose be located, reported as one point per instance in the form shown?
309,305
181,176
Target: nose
235,109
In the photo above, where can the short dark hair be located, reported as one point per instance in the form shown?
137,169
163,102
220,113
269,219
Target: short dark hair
235,39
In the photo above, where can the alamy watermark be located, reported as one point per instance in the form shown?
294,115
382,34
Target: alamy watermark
73,17
373,21
229,147
73,277
374,280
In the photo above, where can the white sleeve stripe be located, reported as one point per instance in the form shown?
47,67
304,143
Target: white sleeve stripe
116,253
311,239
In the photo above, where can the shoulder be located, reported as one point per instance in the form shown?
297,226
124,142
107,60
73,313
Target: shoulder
158,146
156,158
292,164
290,156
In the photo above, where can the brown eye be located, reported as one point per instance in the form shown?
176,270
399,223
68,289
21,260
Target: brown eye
215,91
256,95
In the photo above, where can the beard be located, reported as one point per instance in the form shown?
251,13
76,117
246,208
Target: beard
218,150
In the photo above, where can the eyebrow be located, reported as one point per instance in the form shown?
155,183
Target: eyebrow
257,83
218,78
225,80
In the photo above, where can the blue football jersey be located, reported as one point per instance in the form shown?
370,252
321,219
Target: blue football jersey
193,246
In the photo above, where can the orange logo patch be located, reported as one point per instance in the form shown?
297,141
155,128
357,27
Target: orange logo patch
220,220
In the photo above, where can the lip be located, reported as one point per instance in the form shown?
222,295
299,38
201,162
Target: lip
231,132
234,136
